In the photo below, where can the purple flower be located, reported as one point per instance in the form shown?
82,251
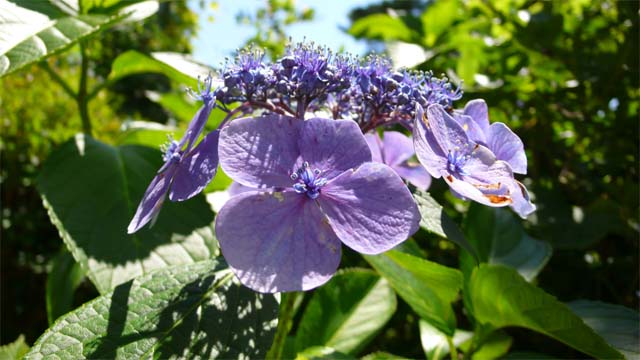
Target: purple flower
503,142
320,188
472,171
186,170
395,149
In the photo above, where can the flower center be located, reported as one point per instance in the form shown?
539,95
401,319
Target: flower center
171,151
308,181
456,161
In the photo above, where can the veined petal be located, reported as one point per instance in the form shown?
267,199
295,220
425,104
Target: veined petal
472,128
486,193
396,148
446,130
370,208
196,125
415,174
260,151
507,146
333,146
478,111
428,151
375,145
521,202
152,199
196,169
277,241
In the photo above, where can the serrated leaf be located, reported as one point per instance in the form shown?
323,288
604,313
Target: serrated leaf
347,312
15,350
435,220
28,36
63,279
501,297
618,325
91,191
187,311
500,240
435,344
429,288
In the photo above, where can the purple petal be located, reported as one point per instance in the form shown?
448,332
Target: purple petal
396,148
446,130
487,181
277,241
477,110
415,174
196,169
472,128
375,145
521,202
507,146
196,125
428,151
236,188
333,146
370,208
152,200
260,151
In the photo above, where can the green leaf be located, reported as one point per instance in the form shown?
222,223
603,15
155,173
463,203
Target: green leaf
494,346
347,312
617,324
381,355
435,344
91,191
178,67
501,297
436,221
15,350
179,312
63,280
381,27
500,240
322,352
438,18
429,288
28,36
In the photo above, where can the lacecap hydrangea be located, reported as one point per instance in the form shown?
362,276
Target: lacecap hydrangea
301,137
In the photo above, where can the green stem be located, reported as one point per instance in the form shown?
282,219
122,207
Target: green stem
452,348
55,77
82,99
285,318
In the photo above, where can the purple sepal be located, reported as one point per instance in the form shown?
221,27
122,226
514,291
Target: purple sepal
196,169
152,200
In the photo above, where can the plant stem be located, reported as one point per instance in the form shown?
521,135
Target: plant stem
452,348
82,99
56,78
285,318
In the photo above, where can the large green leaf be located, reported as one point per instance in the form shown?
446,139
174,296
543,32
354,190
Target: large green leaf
63,279
619,325
91,191
347,312
187,311
500,239
28,36
429,288
381,27
178,67
436,221
501,297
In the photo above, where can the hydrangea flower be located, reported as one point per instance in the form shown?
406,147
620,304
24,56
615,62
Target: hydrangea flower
503,142
315,188
396,149
187,169
472,170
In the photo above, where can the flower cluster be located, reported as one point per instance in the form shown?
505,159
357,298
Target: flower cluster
306,183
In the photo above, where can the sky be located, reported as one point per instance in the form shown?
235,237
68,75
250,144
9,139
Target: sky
220,38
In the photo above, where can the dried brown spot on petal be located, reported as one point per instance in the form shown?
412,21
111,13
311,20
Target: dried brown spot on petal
499,199
495,186
449,178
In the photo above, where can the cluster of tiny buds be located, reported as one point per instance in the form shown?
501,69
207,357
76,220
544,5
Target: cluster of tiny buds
311,78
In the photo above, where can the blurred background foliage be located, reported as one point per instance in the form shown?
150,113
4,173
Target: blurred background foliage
562,74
